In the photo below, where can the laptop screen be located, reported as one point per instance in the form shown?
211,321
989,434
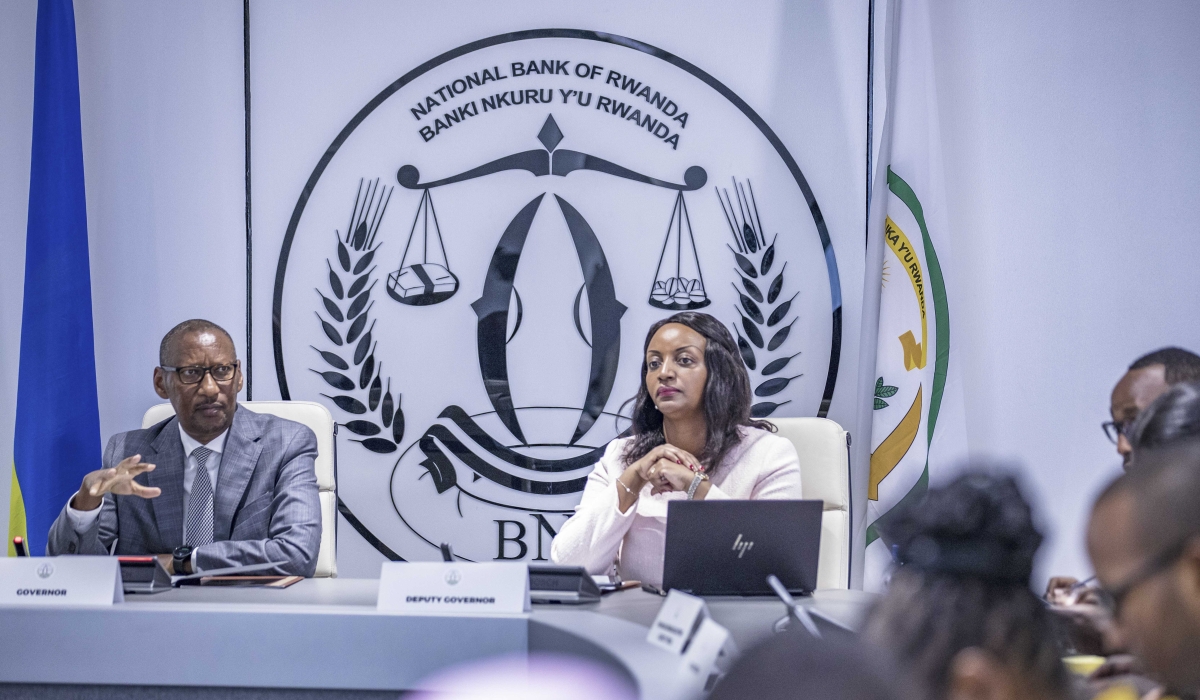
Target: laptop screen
730,547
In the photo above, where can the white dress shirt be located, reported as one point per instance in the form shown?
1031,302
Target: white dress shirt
762,465
81,520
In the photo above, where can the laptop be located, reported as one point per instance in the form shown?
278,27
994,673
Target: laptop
730,547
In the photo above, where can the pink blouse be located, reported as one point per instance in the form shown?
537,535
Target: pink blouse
599,536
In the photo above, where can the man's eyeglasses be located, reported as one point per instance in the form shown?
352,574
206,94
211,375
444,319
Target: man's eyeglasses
1113,597
195,375
1115,429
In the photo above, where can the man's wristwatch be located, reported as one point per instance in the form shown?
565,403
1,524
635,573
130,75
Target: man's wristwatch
181,560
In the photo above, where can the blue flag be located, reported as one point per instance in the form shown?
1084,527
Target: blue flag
57,437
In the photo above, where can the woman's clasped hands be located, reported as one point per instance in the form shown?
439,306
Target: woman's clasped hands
666,468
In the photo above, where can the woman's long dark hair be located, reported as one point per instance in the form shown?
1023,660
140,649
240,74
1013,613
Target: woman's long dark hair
726,395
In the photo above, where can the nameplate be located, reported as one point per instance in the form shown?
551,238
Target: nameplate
428,588
677,619
67,581
709,655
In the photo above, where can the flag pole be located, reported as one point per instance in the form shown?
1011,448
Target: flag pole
872,287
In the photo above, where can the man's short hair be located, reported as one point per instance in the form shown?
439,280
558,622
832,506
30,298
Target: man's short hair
1180,365
167,348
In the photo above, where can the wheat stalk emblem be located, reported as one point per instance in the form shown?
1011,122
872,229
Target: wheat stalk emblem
765,323
345,323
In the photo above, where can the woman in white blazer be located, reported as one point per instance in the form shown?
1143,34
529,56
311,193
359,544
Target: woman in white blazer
692,438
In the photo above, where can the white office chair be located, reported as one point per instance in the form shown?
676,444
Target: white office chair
318,418
823,447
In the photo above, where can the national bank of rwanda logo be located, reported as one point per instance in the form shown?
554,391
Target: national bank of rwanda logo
469,272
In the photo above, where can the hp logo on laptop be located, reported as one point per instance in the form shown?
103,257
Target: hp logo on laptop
742,546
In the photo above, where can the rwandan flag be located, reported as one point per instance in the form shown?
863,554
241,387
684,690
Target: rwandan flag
57,438
918,430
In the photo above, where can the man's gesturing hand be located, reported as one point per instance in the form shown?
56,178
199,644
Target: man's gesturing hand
118,480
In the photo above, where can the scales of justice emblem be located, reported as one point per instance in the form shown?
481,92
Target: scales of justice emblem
497,480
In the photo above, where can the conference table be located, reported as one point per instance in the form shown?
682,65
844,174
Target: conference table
325,635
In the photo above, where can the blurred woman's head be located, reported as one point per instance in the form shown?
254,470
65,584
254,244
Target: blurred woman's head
691,368
959,613
794,666
1171,419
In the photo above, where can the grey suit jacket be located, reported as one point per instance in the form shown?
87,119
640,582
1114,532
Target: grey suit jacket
265,507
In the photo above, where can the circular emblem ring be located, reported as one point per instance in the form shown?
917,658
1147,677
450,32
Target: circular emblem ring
498,250
331,151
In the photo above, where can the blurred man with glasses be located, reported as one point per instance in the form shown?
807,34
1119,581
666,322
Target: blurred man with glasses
1144,540
1089,624
214,486
1147,379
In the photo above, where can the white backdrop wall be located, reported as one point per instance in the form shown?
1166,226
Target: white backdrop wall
161,103
162,117
162,123
1072,140
801,66
1072,159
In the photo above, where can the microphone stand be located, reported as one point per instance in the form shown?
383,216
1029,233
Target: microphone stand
795,610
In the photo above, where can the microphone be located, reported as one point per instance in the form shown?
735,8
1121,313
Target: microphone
19,545
447,554
795,610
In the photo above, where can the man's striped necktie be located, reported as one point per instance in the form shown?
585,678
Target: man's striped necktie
199,525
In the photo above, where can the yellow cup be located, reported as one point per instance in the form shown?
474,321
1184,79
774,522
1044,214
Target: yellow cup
1117,692
1083,664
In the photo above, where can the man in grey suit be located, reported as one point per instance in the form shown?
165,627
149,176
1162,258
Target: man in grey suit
215,486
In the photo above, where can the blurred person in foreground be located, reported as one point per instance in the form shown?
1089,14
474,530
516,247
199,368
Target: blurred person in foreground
795,665
959,613
1173,418
533,676
1144,541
